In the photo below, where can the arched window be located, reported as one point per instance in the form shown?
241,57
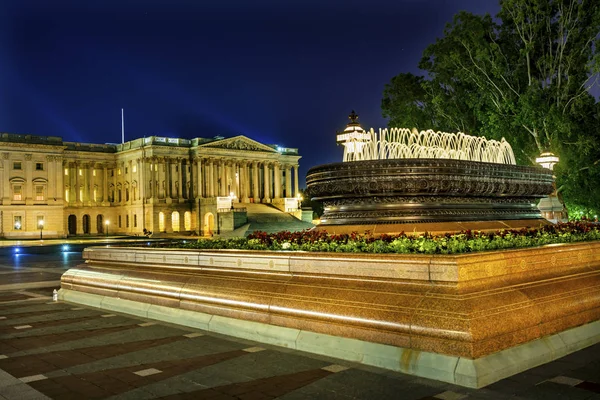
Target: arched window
187,221
175,221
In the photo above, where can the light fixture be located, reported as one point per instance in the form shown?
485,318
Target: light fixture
547,160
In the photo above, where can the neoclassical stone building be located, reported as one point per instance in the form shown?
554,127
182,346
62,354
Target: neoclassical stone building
55,188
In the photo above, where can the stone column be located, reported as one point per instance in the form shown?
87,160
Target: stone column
288,181
154,166
162,177
170,181
52,179
28,179
242,181
223,176
115,182
267,186
208,178
105,183
85,182
277,180
59,176
199,180
187,173
255,190
179,179
6,182
77,183
296,189
93,184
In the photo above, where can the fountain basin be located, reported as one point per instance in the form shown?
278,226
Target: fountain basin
408,191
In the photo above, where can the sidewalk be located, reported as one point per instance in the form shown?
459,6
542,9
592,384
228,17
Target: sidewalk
58,350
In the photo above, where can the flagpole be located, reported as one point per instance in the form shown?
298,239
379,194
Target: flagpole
122,127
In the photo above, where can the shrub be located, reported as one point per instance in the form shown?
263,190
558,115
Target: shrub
462,242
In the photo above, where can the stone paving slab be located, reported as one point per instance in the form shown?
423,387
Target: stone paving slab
80,352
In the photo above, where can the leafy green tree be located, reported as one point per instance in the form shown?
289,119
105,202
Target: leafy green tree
524,75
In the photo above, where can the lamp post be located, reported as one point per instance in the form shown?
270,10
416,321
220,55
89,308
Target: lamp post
41,226
107,223
551,206
547,160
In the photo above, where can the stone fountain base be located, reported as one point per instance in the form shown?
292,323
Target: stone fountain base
436,228
468,319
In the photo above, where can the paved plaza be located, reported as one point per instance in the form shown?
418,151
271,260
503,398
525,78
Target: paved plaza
64,351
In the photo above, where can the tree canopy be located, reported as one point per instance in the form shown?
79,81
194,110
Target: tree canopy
524,75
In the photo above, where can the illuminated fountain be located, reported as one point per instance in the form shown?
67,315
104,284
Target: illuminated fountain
402,176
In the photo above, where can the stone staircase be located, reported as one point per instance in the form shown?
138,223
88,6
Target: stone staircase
266,218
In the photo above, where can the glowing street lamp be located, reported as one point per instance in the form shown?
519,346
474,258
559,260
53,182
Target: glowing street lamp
547,160
41,226
107,223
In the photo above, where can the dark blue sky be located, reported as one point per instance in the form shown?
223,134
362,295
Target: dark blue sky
281,72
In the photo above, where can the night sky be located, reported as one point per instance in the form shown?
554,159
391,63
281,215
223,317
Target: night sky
281,72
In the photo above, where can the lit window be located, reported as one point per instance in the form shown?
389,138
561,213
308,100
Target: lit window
17,192
80,172
94,172
95,194
17,165
39,192
119,171
39,166
66,171
134,169
67,195
17,223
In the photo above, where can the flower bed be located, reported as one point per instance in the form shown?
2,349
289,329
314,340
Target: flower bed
463,242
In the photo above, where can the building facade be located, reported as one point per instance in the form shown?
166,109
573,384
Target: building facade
52,188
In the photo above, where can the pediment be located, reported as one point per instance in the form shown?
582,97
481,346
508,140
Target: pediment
239,143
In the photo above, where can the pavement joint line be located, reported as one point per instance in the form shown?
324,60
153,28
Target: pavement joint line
77,308
193,335
33,378
23,327
254,349
31,299
335,368
3,356
2,317
35,294
148,372
564,380
108,315
147,324
450,395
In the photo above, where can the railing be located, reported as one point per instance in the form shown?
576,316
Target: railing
235,209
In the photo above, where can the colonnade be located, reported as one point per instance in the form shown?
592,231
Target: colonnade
248,180
178,178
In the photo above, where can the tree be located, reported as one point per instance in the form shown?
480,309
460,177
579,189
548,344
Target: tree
525,76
